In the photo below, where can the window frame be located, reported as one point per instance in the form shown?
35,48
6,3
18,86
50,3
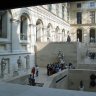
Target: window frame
79,18
22,33
92,4
79,5
92,17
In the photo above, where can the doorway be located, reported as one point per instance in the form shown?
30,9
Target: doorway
79,35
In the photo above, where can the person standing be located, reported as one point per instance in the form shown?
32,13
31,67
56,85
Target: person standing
81,86
33,71
37,70
30,79
68,39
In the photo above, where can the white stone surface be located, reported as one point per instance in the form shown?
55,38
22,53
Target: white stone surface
7,89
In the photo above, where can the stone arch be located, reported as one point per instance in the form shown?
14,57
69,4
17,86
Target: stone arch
92,34
26,15
39,30
24,26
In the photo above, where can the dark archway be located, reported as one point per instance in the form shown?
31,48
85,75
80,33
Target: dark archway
79,35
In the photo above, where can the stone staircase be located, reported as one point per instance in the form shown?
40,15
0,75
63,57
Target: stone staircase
48,52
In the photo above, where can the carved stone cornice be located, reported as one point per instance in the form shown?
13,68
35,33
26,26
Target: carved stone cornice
14,20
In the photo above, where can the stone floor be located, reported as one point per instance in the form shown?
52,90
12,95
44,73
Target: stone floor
7,89
42,76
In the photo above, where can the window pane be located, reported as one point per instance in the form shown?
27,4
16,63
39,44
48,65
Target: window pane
78,5
92,16
62,12
92,35
92,4
79,18
23,30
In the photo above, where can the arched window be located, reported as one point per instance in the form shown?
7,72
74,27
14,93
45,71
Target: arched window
92,35
3,24
23,27
39,30
79,35
63,35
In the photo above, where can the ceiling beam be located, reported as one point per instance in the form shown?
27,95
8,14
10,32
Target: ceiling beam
27,3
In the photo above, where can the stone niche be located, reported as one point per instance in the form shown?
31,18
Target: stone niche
5,67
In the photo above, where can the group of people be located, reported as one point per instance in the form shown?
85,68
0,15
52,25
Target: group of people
92,55
70,66
54,68
34,71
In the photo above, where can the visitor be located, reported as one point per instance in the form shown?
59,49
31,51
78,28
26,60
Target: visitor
30,79
68,39
33,71
70,65
37,70
81,86
33,82
48,69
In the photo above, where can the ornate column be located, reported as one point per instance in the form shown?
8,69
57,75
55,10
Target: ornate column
27,61
15,34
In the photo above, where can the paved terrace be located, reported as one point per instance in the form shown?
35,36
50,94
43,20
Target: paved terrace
7,89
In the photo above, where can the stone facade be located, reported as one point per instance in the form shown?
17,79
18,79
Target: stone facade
22,28
87,10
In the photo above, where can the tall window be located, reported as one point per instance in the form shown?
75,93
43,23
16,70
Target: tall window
23,29
92,4
3,24
1,34
92,35
67,15
92,16
50,7
79,17
78,5
57,9
62,12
